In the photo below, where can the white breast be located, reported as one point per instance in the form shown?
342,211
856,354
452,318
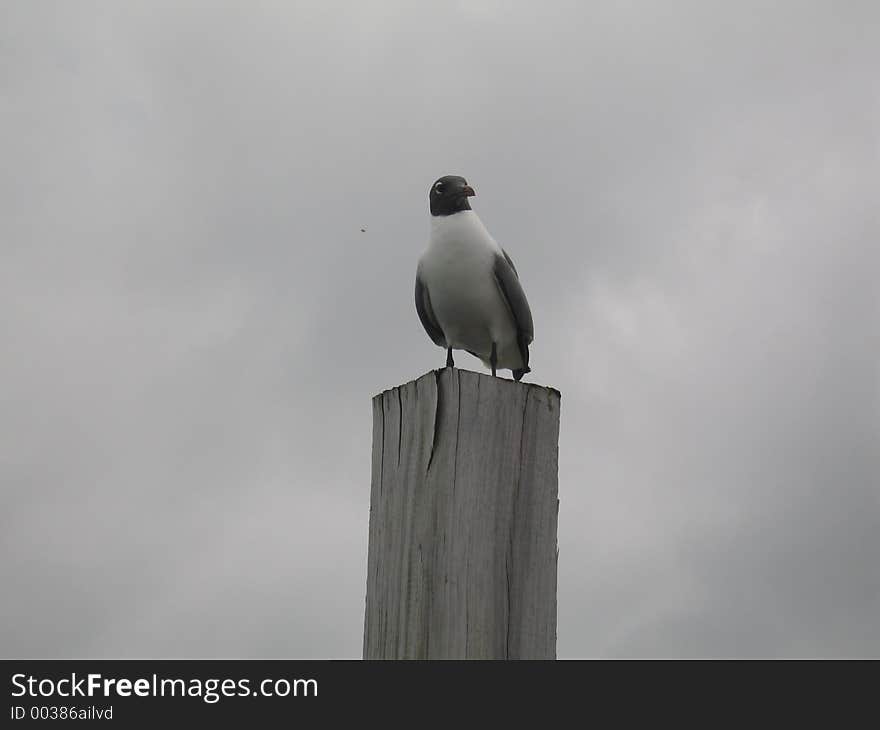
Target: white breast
457,269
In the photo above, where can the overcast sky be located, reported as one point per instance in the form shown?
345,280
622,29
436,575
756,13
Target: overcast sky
193,323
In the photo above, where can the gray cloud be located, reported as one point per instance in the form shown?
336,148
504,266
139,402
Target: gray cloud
194,323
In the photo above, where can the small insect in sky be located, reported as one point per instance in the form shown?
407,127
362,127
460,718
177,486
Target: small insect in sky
363,230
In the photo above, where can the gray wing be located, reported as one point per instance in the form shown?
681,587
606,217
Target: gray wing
426,314
510,261
512,291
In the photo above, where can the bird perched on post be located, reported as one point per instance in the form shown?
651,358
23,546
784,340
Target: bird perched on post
468,294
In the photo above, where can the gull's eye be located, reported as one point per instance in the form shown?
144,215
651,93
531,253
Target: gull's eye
439,187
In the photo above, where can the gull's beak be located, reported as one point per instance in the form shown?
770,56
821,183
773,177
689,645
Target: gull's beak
468,191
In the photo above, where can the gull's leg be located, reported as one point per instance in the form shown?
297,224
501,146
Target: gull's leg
449,361
494,358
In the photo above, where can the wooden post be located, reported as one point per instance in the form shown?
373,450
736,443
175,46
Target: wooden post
463,507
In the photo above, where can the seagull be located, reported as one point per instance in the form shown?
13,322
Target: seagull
468,294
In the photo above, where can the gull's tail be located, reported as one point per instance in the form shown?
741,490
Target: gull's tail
517,374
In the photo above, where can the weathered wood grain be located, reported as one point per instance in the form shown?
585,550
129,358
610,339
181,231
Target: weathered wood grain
463,508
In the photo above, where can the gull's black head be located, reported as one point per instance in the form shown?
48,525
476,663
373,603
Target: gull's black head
450,195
